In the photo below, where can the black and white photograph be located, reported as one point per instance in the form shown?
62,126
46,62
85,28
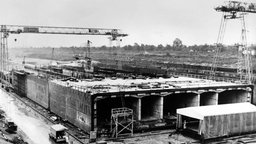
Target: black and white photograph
127,72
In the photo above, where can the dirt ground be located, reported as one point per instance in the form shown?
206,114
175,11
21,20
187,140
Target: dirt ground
157,138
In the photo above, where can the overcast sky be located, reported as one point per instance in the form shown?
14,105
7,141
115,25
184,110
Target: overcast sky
146,21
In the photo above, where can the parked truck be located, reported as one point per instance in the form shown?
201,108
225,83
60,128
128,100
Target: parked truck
58,133
11,127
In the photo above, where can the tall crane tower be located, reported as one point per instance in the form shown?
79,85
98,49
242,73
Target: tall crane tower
236,10
6,30
115,51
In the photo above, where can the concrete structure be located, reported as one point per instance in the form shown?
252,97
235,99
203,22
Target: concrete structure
88,103
218,120
19,83
154,99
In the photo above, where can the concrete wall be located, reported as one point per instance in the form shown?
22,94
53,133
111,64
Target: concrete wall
58,96
233,96
151,107
208,98
71,104
78,108
178,100
191,100
19,82
38,90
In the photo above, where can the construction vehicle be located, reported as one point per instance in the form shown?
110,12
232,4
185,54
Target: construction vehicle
10,126
58,133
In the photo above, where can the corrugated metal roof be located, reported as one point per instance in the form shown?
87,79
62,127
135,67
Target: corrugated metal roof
211,110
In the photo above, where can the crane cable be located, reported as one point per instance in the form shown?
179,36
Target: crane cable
221,33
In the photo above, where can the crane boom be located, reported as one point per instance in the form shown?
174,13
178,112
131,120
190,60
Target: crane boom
236,6
6,30
17,29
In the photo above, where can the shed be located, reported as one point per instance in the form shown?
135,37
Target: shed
218,120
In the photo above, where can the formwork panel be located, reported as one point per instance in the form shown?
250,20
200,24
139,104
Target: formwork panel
37,90
71,101
84,102
83,121
19,83
79,101
71,104
58,109
57,99
70,114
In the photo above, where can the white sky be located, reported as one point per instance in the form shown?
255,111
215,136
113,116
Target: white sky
146,21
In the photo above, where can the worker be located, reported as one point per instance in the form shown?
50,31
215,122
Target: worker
184,124
67,139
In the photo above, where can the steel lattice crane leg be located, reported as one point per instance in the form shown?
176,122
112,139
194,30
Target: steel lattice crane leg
244,60
4,55
236,10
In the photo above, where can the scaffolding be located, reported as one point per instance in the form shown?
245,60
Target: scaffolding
121,121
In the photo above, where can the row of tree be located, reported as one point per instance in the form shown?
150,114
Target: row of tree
176,46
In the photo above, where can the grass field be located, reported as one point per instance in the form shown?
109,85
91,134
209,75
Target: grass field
227,58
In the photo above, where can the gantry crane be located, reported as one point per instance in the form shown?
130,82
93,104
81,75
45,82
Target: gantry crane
6,30
236,10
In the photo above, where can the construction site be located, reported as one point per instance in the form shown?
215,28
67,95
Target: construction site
118,96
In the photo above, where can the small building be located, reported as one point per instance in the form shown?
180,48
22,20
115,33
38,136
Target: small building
215,121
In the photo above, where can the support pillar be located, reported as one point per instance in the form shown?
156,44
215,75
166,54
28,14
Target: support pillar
139,109
93,132
198,97
249,97
178,122
161,112
217,98
95,116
